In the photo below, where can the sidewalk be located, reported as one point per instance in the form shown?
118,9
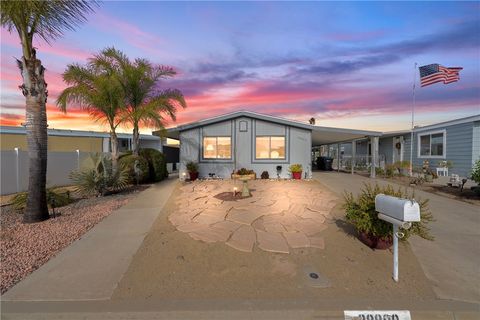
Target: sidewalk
452,261
91,267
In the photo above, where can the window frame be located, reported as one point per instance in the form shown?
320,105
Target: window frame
216,148
270,147
430,133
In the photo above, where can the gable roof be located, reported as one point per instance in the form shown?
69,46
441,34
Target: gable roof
239,114
320,135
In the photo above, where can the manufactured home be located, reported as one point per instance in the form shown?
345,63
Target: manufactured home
456,142
245,139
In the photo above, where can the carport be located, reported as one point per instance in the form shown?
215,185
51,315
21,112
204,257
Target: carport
326,141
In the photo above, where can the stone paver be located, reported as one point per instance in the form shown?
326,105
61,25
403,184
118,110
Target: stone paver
278,216
243,239
273,242
296,239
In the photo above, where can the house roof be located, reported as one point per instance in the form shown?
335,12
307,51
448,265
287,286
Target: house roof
320,135
74,133
448,123
434,126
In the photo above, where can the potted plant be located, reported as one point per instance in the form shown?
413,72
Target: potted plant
374,232
296,171
192,169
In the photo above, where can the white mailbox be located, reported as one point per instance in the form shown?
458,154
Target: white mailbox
404,210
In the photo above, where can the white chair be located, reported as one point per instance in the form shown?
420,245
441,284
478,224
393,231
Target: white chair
443,171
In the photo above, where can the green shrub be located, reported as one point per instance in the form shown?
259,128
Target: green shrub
99,179
55,199
295,168
476,172
360,211
379,171
157,166
128,162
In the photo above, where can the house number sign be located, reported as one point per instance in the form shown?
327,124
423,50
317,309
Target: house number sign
377,315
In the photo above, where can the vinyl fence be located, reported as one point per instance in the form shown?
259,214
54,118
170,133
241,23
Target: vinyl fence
14,169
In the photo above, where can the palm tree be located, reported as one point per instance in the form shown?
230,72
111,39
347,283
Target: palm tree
99,92
145,104
46,20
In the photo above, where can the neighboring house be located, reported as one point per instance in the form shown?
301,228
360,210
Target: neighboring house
60,140
67,150
245,139
457,141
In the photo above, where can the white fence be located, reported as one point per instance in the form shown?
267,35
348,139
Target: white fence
14,169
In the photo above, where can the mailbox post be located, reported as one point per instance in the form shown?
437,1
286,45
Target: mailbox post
400,213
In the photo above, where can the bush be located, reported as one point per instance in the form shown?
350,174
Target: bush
295,168
100,179
476,172
360,211
265,175
379,171
55,199
157,167
128,162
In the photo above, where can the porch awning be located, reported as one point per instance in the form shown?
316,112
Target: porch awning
329,135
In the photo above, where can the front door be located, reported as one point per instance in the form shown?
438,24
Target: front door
397,149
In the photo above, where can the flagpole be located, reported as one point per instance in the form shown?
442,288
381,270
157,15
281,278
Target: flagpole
413,118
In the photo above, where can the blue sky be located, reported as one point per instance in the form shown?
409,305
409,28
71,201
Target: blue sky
348,64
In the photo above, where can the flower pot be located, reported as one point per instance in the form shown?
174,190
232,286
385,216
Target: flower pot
375,242
297,175
193,176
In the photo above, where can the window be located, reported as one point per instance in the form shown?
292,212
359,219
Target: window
217,148
270,148
432,145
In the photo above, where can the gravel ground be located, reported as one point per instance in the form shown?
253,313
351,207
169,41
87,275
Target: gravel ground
25,247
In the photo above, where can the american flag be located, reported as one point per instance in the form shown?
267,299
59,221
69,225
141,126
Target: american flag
434,73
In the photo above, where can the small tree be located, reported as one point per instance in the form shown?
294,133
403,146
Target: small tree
145,104
97,90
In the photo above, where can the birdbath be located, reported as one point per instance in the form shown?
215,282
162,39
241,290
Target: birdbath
244,178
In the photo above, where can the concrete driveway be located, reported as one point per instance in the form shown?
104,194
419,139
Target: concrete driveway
452,261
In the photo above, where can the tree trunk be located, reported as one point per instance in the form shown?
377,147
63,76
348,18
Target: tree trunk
135,140
114,146
34,89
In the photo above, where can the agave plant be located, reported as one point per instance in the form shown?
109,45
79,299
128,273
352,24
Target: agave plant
100,178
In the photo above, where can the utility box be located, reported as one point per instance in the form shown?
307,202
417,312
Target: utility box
403,210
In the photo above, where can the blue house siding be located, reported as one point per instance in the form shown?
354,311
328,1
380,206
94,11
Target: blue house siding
459,148
385,148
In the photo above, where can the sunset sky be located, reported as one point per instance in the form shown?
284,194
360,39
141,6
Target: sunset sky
346,64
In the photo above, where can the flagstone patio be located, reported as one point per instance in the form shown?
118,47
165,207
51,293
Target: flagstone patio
279,216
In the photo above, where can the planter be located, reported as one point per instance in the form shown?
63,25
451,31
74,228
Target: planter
375,242
193,176
252,176
297,175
